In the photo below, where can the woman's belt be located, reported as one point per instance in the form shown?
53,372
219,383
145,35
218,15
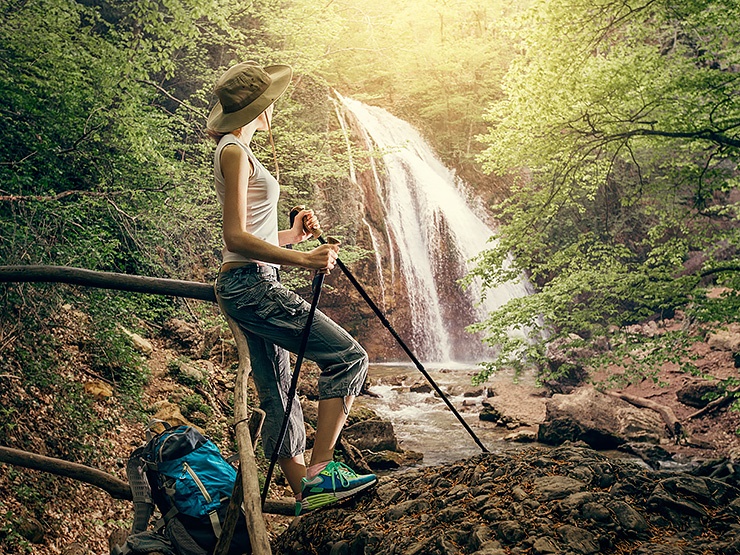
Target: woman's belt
249,267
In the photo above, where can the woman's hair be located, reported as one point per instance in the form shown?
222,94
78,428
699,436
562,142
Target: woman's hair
216,135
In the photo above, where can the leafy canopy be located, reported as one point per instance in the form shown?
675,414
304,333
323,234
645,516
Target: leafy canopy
621,121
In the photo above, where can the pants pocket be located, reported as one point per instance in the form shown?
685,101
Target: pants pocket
244,291
283,308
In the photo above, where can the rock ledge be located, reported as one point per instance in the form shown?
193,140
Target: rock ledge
566,500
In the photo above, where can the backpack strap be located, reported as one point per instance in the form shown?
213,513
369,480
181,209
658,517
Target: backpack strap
215,523
212,516
140,491
150,427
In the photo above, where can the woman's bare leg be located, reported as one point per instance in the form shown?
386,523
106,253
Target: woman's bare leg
294,469
332,416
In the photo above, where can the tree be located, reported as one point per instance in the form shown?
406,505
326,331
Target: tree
622,121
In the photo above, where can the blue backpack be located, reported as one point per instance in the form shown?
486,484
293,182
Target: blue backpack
184,475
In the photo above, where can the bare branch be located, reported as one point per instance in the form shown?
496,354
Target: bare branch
45,198
170,96
118,489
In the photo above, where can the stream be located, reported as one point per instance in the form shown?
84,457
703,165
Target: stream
422,421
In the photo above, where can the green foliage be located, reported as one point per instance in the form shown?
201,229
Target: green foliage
621,119
435,63
193,406
113,357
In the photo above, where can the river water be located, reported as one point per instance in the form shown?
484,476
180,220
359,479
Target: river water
423,422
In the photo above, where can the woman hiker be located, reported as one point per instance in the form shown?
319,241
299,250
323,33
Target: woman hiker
271,316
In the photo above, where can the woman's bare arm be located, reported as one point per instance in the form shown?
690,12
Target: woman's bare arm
236,169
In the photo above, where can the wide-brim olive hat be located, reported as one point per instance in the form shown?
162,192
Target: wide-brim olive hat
244,92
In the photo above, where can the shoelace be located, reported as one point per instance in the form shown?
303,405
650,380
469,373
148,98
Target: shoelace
344,472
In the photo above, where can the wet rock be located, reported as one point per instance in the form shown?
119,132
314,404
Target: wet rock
477,392
422,387
490,548
510,531
373,435
480,535
544,546
413,505
629,518
389,460
596,512
522,436
557,487
577,539
652,454
489,413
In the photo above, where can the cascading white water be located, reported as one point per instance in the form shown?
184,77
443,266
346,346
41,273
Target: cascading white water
434,233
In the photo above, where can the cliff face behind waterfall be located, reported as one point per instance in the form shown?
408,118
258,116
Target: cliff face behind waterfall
409,210
347,207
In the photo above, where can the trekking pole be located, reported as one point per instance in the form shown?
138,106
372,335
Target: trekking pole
318,282
389,327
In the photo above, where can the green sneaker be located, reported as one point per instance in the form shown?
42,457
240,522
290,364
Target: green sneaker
336,482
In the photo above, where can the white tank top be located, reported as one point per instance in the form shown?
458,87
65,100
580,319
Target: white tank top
263,192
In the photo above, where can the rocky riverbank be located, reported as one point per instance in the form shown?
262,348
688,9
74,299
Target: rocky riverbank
566,500
522,499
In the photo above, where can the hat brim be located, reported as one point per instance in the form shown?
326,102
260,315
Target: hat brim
223,123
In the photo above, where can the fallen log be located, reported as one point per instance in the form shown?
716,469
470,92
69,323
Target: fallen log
720,402
118,489
675,429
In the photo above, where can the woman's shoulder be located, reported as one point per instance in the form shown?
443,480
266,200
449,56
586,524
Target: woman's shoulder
234,155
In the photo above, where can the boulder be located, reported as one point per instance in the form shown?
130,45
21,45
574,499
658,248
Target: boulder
389,460
144,346
184,334
372,435
601,421
725,340
698,393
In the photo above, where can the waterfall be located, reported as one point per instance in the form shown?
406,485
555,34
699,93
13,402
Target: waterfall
432,231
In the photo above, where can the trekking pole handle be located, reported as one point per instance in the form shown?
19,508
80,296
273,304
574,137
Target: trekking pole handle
316,232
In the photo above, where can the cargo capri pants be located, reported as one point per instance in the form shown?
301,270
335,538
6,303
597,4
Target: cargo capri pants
273,319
